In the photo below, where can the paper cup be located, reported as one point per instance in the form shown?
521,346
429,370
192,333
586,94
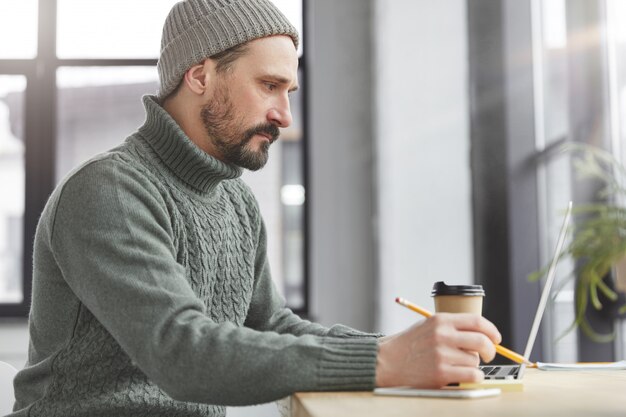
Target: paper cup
458,298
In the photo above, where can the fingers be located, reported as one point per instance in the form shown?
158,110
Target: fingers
474,323
464,374
459,357
450,374
467,332
476,342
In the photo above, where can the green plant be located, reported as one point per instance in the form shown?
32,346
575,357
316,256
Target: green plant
599,236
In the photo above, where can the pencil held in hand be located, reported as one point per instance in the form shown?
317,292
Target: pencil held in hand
507,353
413,307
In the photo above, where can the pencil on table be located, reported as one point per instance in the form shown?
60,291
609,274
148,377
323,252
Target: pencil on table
507,353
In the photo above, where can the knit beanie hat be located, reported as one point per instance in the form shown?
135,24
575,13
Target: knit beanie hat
197,29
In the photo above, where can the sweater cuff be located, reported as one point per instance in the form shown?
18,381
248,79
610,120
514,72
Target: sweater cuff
339,330
348,364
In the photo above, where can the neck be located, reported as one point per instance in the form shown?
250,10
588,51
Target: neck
186,116
179,153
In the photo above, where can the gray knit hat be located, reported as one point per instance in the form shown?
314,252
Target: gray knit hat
197,29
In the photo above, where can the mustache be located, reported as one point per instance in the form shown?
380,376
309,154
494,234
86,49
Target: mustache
267,129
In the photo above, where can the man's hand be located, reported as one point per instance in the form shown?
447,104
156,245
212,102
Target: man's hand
436,352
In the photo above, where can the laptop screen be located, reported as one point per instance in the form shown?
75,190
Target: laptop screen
545,294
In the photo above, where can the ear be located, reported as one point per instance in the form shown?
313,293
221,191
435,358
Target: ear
199,77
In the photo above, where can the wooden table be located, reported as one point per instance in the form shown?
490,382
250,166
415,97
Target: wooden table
553,394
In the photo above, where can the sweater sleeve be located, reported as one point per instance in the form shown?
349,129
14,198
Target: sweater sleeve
268,312
113,241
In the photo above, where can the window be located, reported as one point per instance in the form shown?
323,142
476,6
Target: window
137,34
555,177
542,73
12,172
584,61
97,108
18,20
616,39
85,99
616,48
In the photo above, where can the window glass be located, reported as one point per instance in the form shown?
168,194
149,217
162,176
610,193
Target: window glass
559,174
12,185
293,11
98,107
84,27
110,28
617,53
557,177
616,28
18,29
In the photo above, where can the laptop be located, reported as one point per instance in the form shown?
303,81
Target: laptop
517,371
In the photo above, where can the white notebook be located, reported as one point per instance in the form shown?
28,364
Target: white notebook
438,393
621,365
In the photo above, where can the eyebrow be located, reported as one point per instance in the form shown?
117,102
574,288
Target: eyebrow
282,80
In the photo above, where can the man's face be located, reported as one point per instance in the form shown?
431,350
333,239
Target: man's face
249,102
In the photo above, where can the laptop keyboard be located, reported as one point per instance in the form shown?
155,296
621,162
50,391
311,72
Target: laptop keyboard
500,372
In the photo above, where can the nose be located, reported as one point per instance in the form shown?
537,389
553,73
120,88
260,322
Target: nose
280,114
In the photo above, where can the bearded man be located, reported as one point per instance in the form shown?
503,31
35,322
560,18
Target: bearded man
152,295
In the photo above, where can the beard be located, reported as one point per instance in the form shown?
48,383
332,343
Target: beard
227,134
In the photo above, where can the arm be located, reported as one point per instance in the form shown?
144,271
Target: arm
113,241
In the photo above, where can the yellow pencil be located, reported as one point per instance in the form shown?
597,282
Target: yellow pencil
507,353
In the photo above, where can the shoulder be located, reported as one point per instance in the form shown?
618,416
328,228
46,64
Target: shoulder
110,184
103,173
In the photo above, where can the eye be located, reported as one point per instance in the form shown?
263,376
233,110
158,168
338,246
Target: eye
270,86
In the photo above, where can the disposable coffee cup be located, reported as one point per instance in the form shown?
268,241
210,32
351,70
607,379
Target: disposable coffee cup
458,298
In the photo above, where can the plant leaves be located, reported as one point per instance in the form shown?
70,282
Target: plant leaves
599,236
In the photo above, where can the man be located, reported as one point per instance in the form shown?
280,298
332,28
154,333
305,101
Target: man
152,294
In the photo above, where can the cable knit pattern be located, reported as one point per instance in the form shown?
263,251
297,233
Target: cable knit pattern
152,295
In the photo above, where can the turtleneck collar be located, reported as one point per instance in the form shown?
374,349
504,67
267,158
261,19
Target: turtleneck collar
184,158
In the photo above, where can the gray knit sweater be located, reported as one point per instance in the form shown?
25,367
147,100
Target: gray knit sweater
152,295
